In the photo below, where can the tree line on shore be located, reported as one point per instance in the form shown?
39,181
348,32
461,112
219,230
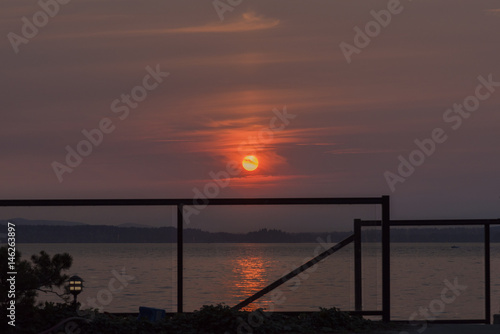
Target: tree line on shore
115,234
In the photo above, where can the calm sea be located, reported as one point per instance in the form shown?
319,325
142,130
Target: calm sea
122,277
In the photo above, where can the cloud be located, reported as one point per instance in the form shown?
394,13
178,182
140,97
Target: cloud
357,151
248,22
495,12
317,144
260,180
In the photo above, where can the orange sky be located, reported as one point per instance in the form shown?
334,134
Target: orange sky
351,121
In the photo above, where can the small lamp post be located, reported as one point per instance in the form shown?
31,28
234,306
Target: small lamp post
75,286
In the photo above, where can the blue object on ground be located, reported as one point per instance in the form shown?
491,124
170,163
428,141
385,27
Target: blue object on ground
150,313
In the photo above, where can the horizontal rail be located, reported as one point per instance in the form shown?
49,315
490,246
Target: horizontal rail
367,313
432,222
191,201
454,321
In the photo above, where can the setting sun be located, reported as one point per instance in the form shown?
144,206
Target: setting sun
250,163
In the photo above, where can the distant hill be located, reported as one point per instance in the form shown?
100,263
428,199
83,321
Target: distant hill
116,234
135,225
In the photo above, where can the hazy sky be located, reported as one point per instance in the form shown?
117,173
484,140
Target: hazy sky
262,77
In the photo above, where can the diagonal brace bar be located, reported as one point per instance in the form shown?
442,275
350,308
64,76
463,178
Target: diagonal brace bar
295,272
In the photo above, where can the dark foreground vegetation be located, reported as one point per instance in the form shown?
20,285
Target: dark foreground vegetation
219,319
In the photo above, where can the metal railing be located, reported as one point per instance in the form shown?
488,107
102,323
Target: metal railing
486,223
383,201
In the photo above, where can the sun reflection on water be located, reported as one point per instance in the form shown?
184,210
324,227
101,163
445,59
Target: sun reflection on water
250,272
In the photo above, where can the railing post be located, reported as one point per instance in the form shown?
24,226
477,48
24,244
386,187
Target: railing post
386,260
358,286
180,258
487,277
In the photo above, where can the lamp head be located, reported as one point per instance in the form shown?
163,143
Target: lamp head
75,285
